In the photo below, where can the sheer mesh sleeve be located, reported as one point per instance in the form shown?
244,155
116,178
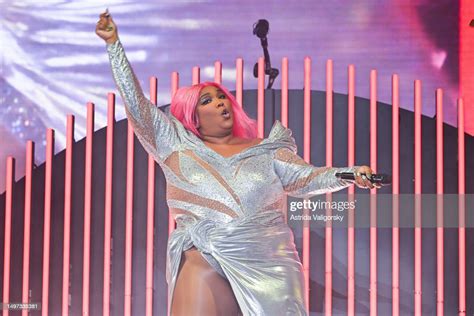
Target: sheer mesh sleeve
300,179
155,130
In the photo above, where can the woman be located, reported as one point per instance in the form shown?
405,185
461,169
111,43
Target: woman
232,253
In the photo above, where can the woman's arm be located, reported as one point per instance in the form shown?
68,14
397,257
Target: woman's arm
301,179
155,130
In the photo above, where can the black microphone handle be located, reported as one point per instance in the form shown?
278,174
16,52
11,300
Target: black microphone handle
383,179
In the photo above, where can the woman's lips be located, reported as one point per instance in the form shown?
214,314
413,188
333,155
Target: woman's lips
225,114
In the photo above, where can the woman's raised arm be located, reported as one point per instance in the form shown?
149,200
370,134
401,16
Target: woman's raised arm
155,130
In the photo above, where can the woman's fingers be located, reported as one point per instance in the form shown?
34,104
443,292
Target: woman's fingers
363,176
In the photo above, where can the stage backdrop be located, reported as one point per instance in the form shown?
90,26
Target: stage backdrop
53,63
317,237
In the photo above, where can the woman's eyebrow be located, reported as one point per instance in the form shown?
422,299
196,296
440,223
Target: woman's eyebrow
204,95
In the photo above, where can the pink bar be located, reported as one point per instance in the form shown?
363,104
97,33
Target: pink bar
395,134
87,209
373,209
129,223
47,220
461,191
30,149
439,209
373,121
261,97
439,142
218,72
150,215
329,149
67,213
461,148
108,200
307,110
418,162
149,235
174,83
174,88
284,106
284,91
154,89
395,191
239,83
10,179
196,75
307,158
329,112
351,162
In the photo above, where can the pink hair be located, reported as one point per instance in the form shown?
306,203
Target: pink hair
183,107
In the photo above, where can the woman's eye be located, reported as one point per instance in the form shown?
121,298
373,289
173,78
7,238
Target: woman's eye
205,101
222,96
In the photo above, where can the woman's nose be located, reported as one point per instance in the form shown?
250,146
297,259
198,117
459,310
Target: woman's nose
220,104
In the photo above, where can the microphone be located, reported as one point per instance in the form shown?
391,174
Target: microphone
381,178
261,29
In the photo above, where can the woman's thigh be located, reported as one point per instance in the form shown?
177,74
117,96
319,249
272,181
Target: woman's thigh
200,290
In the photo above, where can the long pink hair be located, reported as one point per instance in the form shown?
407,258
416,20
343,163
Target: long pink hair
183,107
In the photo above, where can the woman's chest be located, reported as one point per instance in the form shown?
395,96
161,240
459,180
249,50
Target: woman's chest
247,172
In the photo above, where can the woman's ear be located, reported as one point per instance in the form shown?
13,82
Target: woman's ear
198,125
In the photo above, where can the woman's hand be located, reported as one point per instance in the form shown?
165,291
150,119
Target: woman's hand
106,28
362,176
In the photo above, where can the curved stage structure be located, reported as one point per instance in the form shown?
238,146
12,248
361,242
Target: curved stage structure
90,200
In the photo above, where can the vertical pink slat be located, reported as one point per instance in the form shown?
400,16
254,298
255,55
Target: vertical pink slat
174,83
30,148
351,162
439,208
284,107
461,192
395,191
129,223
87,209
329,139
373,121
196,75
174,88
150,214
417,298
109,157
218,72
284,91
47,220
10,179
261,97
307,158
395,134
373,210
239,82
67,213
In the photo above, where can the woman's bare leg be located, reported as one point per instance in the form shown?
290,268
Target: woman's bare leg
200,290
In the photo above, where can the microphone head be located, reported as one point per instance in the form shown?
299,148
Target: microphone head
261,28
381,178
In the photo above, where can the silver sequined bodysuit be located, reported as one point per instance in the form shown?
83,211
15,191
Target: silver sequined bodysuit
230,209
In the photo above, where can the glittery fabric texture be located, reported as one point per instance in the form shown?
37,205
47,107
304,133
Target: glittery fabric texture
230,208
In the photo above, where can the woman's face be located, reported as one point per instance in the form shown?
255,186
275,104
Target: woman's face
214,112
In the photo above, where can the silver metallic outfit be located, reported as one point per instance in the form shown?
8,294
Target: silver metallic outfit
230,208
